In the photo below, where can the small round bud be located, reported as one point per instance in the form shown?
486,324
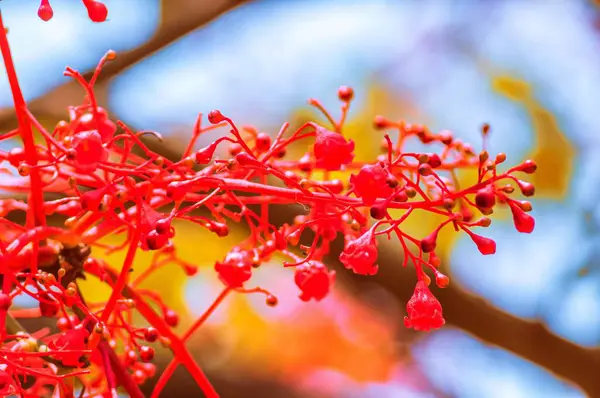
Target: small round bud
483,156
263,142
146,353
425,170
445,137
410,192
234,149
171,318
24,169
485,222
485,129
271,300
345,93
380,123
215,117
500,158
378,212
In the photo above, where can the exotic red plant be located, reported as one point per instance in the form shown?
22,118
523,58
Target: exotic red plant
109,182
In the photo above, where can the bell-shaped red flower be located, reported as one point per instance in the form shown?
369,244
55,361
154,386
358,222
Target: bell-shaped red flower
371,183
89,151
235,269
314,280
73,343
360,254
331,150
424,310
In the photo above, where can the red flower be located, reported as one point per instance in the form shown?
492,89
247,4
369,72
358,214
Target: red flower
89,151
331,150
235,269
360,254
424,310
370,184
314,280
74,342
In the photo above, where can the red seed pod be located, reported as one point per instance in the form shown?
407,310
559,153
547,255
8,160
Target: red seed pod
97,11
45,11
345,93
171,318
146,353
215,117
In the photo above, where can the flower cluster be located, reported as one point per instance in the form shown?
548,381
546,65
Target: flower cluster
99,178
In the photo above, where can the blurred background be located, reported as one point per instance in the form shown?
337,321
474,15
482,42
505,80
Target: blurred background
522,323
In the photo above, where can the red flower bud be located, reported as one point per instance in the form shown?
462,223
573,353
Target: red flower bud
523,222
485,198
215,117
526,188
429,243
205,155
528,166
345,93
45,11
97,11
485,245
